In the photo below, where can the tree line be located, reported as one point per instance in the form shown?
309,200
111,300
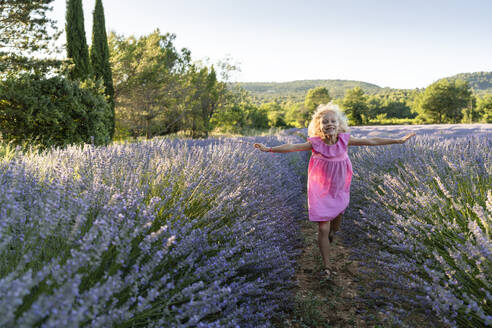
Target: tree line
444,101
479,82
119,85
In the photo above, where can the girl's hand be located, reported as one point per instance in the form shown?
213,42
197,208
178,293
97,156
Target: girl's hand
261,147
405,138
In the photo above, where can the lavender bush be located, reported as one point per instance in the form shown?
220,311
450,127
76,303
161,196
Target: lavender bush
420,216
160,233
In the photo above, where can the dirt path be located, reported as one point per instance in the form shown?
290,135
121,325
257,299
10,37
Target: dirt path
336,303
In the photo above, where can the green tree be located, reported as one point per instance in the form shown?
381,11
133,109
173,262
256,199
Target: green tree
203,94
99,55
148,81
484,108
256,117
443,101
217,98
470,113
314,98
26,32
355,105
52,111
275,114
294,114
238,112
230,118
392,104
77,49
374,106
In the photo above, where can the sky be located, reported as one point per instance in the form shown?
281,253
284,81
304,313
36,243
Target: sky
401,44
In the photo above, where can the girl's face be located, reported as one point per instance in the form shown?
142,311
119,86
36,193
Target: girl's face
329,123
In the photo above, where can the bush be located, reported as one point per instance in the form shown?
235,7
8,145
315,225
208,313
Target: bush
53,111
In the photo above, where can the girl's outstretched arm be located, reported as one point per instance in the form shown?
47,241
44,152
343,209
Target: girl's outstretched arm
286,148
378,141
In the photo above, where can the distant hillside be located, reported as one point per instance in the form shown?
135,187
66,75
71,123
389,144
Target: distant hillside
296,90
480,82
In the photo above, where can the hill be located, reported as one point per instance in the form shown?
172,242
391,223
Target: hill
296,90
480,82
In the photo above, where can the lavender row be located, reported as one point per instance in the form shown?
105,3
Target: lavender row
420,217
162,233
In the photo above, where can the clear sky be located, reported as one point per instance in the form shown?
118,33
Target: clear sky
391,43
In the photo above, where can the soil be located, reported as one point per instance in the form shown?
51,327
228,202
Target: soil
338,300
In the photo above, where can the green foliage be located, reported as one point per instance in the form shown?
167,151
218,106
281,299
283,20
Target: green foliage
479,82
355,106
484,108
314,98
52,111
258,118
99,55
443,101
307,311
275,114
77,49
203,95
236,117
469,112
394,104
26,31
230,119
160,92
295,114
238,114
148,75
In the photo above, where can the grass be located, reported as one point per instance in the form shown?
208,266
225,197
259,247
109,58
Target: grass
307,312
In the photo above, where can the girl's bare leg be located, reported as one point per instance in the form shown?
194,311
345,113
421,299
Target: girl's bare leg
335,226
323,242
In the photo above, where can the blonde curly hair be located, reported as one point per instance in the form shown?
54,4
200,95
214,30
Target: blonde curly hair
314,128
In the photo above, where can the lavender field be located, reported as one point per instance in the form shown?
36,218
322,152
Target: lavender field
160,233
420,219
435,130
181,233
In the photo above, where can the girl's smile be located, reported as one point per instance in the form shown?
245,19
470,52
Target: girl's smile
329,123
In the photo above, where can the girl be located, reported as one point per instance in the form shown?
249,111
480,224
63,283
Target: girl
329,171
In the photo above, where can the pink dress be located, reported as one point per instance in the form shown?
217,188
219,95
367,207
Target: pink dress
329,177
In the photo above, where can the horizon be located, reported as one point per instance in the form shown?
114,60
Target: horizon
354,81
267,82
391,45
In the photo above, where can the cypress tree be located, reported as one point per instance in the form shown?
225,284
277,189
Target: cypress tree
99,55
76,42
